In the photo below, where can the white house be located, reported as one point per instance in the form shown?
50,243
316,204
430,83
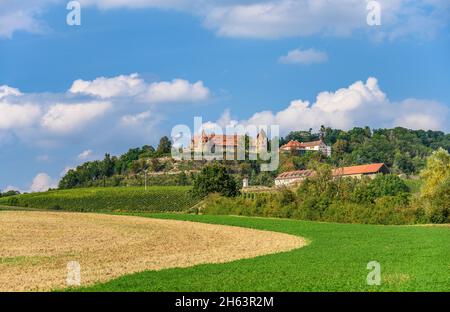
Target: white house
319,146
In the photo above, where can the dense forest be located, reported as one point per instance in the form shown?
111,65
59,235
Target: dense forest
402,150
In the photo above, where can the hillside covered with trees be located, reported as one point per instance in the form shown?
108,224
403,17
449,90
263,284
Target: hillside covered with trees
404,151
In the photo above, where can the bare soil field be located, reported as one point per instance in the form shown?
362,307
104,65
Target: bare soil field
35,247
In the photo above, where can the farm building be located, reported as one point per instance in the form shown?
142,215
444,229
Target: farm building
299,147
369,170
292,177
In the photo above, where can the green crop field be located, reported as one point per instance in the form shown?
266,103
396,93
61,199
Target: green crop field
412,258
154,199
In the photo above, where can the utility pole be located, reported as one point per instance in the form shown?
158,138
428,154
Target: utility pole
145,175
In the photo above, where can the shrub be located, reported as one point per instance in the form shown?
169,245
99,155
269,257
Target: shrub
381,185
387,185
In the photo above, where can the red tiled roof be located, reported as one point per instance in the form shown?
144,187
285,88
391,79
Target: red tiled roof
220,140
312,143
295,174
292,144
297,144
361,169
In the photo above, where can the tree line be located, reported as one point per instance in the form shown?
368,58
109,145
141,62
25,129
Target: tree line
134,160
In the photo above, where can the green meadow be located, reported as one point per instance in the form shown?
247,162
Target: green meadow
412,258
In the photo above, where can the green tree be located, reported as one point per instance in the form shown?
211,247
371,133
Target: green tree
164,146
403,162
107,166
367,191
441,204
214,178
9,193
387,185
435,173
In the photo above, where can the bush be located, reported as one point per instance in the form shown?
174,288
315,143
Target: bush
387,185
381,185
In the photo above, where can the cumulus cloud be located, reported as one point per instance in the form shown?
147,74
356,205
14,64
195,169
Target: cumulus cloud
46,119
423,114
15,115
18,116
177,90
42,183
264,18
123,85
309,56
64,118
360,104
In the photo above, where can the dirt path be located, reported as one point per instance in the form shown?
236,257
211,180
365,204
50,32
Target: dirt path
35,247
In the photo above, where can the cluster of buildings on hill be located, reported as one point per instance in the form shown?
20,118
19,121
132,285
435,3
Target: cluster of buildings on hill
220,142
295,177
217,143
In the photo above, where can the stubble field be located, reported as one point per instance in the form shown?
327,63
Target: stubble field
35,247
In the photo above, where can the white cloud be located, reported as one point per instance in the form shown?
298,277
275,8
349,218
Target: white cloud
15,115
309,56
360,104
423,114
42,182
265,18
47,119
291,18
7,91
123,85
16,15
65,118
85,155
177,90
133,120
18,115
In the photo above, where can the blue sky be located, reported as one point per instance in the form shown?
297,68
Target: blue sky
282,62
